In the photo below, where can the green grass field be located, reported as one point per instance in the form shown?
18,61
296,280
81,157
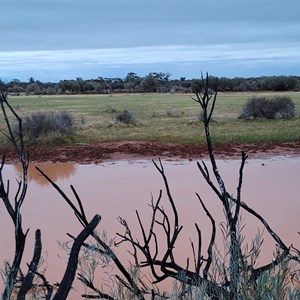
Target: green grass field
160,117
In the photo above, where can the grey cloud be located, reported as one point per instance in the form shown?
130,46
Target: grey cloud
43,25
106,33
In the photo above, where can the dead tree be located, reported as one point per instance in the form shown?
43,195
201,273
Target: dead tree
162,262
13,205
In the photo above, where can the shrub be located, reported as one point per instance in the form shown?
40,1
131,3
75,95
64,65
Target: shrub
126,117
170,112
279,107
284,107
44,123
110,109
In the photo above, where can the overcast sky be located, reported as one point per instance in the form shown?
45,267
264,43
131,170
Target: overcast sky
65,39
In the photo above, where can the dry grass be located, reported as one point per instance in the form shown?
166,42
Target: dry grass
94,120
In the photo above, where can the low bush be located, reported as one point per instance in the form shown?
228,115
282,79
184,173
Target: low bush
279,107
45,123
126,117
110,109
170,112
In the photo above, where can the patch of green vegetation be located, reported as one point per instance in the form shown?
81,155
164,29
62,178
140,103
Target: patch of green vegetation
93,119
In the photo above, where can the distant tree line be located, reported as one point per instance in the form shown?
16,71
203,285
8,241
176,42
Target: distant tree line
153,82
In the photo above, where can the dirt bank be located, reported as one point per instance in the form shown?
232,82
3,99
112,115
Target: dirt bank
96,153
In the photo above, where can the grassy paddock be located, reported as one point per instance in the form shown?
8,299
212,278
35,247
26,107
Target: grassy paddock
160,117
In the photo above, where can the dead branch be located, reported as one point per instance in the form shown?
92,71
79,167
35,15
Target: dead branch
28,279
66,282
13,206
167,264
212,241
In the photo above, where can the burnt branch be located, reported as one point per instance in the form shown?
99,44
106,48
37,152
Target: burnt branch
17,140
212,240
276,238
198,261
239,189
68,278
78,212
171,237
90,285
28,279
166,267
46,285
207,103
13,206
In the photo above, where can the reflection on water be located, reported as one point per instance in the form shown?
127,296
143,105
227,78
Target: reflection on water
112,189
54,171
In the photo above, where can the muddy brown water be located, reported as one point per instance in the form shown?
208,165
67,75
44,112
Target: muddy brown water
118,188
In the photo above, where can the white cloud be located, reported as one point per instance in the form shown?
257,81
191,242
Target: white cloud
224,53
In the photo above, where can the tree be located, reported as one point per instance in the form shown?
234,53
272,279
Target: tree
33,88
131,77
69,86
131,81
149,84
15,89
160,76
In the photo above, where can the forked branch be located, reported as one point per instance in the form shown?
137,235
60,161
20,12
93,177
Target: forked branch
14,205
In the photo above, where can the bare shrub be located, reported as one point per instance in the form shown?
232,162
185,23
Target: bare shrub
170,112
279,107
44,123
126,117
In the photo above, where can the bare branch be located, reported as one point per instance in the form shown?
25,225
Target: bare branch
14,212
212,239
66,282
90,285
238,202
28,279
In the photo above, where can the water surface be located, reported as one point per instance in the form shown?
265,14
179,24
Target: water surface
118,188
